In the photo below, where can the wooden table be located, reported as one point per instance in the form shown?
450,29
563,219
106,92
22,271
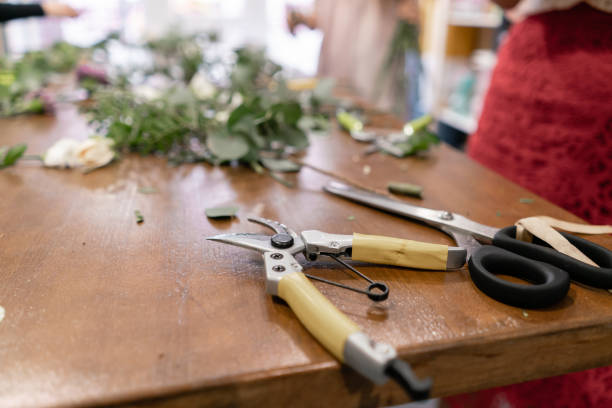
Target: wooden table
101,310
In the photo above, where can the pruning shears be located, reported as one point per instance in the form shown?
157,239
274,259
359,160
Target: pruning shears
334,330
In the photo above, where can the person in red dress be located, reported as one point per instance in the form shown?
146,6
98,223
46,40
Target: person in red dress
546,124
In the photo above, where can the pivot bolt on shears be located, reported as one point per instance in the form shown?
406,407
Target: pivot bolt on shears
334,330
321,243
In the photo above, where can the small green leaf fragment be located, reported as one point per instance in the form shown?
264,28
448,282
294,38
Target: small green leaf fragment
408,189
525,314
351,218
526,200
280,165
349,122
139,217
13,154
498,213
148,190
221,212
418,124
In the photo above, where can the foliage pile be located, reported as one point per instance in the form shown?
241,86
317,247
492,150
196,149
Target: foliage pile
22,81
245,114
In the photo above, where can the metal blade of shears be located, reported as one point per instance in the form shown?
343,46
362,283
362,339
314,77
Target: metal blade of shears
446,221
258,242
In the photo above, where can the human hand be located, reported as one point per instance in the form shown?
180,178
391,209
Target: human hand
59,10
294,19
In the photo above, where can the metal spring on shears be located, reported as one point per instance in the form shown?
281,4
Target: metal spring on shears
377,291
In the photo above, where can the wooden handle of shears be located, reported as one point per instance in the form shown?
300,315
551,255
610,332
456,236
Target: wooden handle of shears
399,252
342,337
323,320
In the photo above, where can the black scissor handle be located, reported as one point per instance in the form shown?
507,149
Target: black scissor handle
550,284
579,271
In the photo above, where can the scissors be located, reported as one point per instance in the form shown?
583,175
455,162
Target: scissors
548,270
334,330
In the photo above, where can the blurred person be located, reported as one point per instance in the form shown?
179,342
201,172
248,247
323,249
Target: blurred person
546,124
357,35
10,11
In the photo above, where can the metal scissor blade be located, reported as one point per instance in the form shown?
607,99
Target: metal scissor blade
258,242
444,220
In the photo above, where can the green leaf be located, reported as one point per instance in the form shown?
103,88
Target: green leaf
245,125
290,112
36,105
418,124
417,142
526,200
139,217
148,190
237,114
280,165
408,189
226,146
222,212
316,123
293,136
348,122
13,154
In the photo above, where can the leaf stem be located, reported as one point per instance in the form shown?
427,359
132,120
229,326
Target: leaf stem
339,177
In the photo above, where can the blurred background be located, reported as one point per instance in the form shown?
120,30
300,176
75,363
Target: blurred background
406,57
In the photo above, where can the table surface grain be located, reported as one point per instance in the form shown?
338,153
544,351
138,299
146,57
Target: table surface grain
101,310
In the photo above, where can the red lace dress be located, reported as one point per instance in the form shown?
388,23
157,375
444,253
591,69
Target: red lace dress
547,125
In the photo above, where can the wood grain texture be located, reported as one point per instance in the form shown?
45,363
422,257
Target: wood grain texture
101,310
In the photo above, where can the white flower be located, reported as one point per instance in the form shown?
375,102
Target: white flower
147,92
222,116
91,153
202,87
62,154
236,100
95,152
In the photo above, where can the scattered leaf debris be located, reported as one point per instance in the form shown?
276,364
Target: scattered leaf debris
367,169
526,200
280,165
350,218
222,212
498,213
525,314
148,190
413,190
9,156
139,217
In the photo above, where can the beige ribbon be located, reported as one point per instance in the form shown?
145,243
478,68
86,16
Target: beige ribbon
542,227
